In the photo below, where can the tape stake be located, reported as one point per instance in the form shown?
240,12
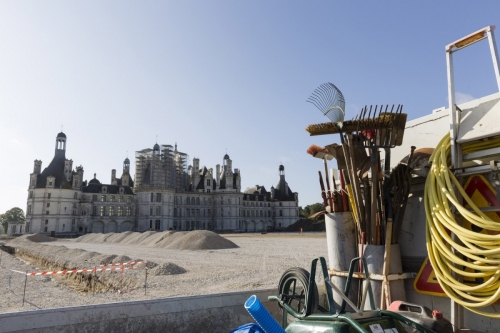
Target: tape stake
25,281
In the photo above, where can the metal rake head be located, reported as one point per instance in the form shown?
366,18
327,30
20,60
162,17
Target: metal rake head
330,101
383,129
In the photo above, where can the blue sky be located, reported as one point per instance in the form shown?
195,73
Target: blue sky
217,75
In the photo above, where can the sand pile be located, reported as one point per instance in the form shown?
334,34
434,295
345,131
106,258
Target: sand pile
201,240
167,268
174,240
118,237
35,238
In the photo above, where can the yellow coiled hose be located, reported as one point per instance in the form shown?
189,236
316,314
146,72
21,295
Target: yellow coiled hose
477,251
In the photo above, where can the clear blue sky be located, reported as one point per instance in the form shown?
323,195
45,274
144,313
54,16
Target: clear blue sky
217,75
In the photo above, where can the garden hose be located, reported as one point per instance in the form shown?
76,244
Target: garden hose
468,254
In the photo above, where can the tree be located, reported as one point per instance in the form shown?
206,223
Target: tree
311,209
15,214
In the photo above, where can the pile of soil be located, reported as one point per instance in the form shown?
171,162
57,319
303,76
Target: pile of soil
306,225
167,268
35,238
174,240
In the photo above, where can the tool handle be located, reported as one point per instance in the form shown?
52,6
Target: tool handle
323,195
337,201
342,187
330,200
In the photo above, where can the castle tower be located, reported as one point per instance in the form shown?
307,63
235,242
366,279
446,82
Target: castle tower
61,144
126,175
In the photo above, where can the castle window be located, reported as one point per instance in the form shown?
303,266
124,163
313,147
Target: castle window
46,212
120,198
209,212
151,197
281,212
157,224
197,212
103,210
158,210
188,201
94,210
208,191
31,194
111,210
48,195
75,195
187,213
158,197
50,183
193,201
103,198
29,209
48,204
150,224
129,199
112,198
129,211
150,210
120,210
198,201
208,182
280,204
175,212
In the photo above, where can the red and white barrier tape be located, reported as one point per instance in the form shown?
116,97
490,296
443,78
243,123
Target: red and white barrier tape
125,263
71,271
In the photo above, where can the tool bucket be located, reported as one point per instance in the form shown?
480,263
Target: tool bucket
341,242
374,255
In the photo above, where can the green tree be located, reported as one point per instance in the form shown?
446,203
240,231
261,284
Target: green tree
15,214
311,209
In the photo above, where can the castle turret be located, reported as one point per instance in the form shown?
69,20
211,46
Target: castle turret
37,168
61,144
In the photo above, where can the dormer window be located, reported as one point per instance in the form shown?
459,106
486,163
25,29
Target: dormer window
104,189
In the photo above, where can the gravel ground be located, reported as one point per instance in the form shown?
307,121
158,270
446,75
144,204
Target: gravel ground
258,263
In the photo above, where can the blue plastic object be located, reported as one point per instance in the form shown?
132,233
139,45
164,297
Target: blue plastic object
248,328
262,316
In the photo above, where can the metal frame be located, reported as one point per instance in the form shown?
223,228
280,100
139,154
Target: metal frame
455,116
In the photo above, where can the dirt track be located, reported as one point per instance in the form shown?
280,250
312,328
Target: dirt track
257,264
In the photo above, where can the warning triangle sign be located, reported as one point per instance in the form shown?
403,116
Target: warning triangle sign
426,281
483,195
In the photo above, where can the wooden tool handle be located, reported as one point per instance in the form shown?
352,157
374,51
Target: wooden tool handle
323,195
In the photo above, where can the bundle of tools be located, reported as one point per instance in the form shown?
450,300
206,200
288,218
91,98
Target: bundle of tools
373,194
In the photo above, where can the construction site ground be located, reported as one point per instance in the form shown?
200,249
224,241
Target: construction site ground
257,263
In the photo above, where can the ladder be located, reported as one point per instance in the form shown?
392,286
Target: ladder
464,127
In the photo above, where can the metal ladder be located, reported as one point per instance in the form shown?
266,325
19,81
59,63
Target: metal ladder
459,134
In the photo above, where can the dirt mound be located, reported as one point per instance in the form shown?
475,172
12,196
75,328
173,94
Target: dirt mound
119,237
167,268
137,237
35,238
174,240
153,239
306,225
201,240
119,259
